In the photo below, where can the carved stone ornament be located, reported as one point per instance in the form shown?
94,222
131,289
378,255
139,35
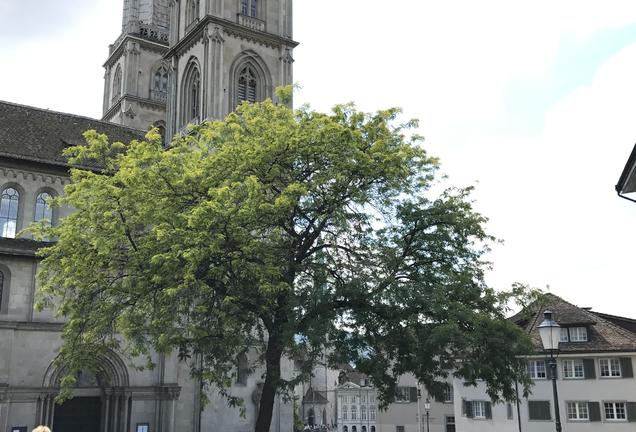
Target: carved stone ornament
130,113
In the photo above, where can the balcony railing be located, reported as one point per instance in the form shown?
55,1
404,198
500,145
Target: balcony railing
251,22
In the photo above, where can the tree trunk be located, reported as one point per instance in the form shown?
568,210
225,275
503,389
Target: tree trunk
272,379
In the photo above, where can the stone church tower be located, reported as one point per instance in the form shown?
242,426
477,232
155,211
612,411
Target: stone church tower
136,79
185,61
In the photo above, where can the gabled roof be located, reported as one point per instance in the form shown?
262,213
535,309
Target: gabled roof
604,334
315,397
38,135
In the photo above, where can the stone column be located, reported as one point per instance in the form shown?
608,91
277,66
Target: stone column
216,73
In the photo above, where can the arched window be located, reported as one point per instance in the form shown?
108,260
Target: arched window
117,83
192,94
354,429
242,369
43,210
247,85
9,202
372,428
160,84
345,429
364,429
249,7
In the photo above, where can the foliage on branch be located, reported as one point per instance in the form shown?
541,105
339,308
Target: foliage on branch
292,231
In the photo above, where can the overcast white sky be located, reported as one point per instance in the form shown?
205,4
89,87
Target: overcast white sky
533,102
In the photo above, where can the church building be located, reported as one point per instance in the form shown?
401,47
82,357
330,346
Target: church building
176,62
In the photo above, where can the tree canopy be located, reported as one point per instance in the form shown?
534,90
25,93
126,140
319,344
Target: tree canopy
290,231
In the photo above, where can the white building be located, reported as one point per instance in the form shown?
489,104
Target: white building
595,378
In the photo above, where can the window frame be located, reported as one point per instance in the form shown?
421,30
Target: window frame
191,92
610,369
19,203
117,83
533,372
550,410
574,363
614,411
578,330
578,405
449,394
401,392
482,409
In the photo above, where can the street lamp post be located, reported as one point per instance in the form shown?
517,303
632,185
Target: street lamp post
427,407
550,333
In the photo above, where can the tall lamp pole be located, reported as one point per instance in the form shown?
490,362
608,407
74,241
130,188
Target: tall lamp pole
427,407
550,333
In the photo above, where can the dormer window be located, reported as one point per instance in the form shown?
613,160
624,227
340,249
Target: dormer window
574,334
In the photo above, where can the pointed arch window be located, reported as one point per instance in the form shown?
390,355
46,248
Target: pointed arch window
9,203
117,83
192,95
43,210
247,85
160,84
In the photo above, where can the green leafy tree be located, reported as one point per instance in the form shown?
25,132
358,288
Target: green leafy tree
291,231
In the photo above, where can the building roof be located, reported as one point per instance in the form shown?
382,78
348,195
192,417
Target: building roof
315,397
40,135
627,181
604,334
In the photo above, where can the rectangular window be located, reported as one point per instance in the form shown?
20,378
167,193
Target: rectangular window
564,335
372,412
402,394
399,429
539,410
610,368
578,411
536,369
615,411
344,412
448,394
363,399
578,334
573,369
354,412
479,409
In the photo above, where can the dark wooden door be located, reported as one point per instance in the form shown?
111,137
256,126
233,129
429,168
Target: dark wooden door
82,414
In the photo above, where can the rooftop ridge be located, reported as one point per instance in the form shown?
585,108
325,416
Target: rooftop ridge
77,116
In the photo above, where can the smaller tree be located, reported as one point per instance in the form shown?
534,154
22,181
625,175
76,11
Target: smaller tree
286,230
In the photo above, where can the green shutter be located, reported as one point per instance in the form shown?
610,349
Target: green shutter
539,410
590,368
594,410
488,407
413,394
631,411
627,370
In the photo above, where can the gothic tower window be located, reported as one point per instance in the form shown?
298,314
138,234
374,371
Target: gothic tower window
160,84
9,201
191,106
117,83
247,85
249,8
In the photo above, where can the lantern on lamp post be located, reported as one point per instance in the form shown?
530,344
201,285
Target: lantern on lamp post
550,333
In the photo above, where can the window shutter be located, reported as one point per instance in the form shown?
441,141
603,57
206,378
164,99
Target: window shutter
488,407
413,394
627,370
590,368
539,410
631,411
594,410
468,409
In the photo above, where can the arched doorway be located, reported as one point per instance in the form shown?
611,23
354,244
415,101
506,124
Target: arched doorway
100,400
